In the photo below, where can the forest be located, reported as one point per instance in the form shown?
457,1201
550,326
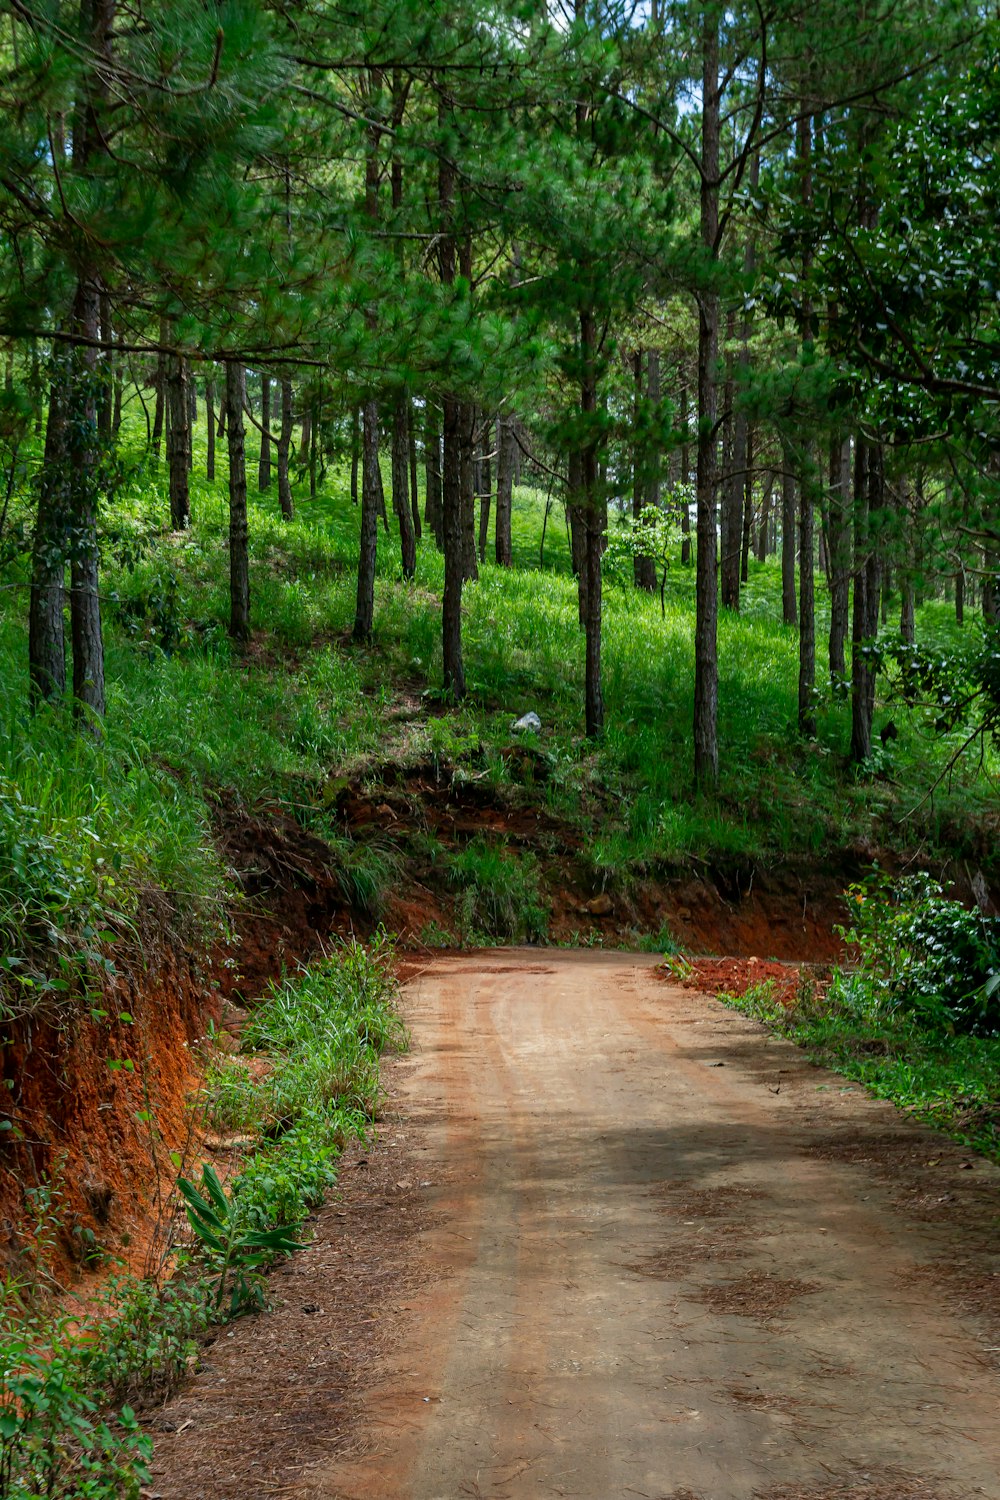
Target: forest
519,473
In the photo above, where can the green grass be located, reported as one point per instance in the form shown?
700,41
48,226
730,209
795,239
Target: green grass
190,719
949,1082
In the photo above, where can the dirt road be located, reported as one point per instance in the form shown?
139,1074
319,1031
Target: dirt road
664,1257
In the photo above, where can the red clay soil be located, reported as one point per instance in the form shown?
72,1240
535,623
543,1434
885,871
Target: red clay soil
734,976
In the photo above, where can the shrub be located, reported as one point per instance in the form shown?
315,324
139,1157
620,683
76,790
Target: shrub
499,895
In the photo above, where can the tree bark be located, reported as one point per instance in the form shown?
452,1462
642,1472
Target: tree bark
807,612
264,462
411,423
864,624
284,445
788,506
454,560
210,426
400,484
505,491
355,452
85,601
432,472
685,480
646,489
50,549
178,443
840,556
239,554
467,479
706,668
485,487
364,614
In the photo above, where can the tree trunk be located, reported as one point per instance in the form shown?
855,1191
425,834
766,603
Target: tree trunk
285,500
646,489
178,443
505,491
364,614
411,422
840,556
747,508
160,386
593,507
454,559
685,479
400,484
765,519
467,479
314,453
85,601
867,499
732,487
788,502
807,612
706,661
355,452
50,549
578,531
239,554
432,472
264,463
485,488
210,427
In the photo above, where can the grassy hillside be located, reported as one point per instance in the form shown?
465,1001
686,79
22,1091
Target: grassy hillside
86,832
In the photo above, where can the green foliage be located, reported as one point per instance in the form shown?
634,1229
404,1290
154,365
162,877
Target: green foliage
233,1256
926,955
499,892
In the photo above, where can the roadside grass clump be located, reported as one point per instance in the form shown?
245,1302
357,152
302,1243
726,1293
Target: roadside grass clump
888,1025
499,894
320,1034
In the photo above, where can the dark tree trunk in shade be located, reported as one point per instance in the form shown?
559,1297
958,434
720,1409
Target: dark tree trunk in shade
210,429
314,455
106,366
764,523
355,452
864,625
706,670
284,446
467,480
685,479
192,395
116,408
731,527
960,597
364,614
578,530
411,422
485,486
85,601
789,612
306,441
807,614
505,491
747,509
400,484
593,509
50,549
160,384
264,462
432,472
839,512
220,429
178,443
646,489
454,558
239,552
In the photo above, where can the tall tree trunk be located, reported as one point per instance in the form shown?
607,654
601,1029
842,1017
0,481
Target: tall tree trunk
732,486
685,480
314,452
807,610
210,428
285,500
467,479
50,550
192,397
788,505
411,423
371,479
355,451
706,660
239,553
646,487
840,555
505,491
867,500
85,600
160,386
106,370
432,471
178,443
264,463
400,484
485,486
593,506
765,519
578,530
747,507
454,560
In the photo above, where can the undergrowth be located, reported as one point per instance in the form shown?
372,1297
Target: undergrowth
70,1383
